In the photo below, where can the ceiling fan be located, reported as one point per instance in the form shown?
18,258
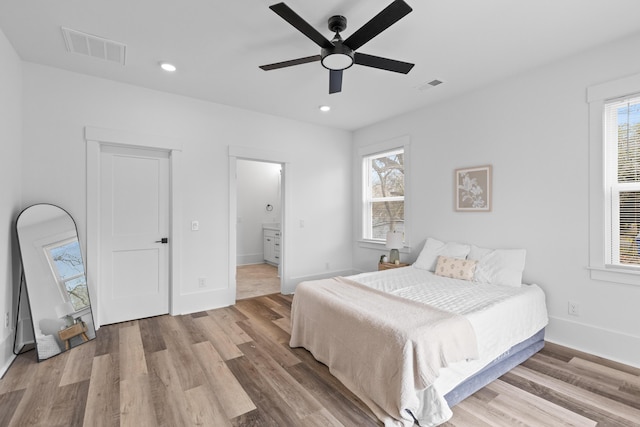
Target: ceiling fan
338,55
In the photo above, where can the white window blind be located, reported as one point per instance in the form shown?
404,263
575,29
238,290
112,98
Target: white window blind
622,175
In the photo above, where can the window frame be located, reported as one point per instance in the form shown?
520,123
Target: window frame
62,282
369,199
600,198
398,143
614,188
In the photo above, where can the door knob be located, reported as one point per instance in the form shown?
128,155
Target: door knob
163,240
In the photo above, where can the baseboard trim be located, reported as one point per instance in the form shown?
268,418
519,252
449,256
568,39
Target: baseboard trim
249,259
7,365
6,357
613,345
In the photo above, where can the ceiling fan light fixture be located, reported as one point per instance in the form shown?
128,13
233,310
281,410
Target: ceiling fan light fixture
339,57
336,55
337,61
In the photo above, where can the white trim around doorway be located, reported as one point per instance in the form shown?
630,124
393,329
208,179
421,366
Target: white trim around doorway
95,138
260,155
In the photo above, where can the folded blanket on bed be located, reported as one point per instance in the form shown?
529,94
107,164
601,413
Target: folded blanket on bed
382,347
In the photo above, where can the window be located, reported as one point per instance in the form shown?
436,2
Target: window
622,181
65,260
613,191
383,194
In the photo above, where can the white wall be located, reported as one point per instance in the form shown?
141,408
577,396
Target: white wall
59,104
258,185
10,137
533,129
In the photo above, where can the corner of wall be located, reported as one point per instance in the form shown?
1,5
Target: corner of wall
11,137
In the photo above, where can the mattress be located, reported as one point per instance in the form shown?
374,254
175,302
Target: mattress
502,317
496,368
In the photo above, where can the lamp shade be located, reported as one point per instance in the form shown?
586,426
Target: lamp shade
64,309
394,240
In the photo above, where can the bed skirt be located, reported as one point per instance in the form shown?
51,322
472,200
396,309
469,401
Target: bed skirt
495,369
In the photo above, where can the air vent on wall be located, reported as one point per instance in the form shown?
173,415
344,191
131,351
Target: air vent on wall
429,85
94,46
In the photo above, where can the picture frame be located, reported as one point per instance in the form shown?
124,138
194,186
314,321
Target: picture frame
473,189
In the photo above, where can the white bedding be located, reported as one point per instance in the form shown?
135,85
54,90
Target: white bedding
382,347
501,316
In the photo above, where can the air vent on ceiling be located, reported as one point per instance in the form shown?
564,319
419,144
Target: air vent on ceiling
94,46
429,85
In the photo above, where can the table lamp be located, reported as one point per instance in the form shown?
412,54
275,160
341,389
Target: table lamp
394,242
64,310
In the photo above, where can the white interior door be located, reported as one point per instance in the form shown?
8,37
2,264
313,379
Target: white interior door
134,213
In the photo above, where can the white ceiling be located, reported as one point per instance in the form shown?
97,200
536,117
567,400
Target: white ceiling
218,46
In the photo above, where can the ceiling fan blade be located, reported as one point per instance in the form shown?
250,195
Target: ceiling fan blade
335,81
382,63
286,13
290,63
383,20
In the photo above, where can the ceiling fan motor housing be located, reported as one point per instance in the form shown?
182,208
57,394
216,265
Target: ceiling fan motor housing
338,57
337,23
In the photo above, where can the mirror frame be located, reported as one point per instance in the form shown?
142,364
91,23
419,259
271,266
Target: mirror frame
77,330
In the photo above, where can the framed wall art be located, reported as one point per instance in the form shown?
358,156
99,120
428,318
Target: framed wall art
473,189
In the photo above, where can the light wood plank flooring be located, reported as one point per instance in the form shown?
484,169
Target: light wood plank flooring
256,280
233,367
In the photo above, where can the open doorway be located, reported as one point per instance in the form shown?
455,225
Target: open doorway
258,228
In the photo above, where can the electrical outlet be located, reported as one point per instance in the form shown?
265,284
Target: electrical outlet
574,308
202,282
6,320
195,225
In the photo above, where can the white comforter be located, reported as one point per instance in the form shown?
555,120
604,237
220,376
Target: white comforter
501,317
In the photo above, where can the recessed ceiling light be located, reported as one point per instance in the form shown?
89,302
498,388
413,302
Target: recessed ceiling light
167,67
325,108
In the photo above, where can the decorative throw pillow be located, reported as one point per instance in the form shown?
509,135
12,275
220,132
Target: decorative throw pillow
434,248
498,266
455,268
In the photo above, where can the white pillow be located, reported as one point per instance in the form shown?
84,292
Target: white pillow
47,347
498,266
434,248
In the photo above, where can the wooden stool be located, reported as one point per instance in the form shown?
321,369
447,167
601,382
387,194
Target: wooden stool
73,331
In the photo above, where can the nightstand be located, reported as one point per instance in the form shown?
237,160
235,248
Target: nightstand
389,265
73,331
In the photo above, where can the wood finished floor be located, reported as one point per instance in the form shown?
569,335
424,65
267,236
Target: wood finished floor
233,367
255,280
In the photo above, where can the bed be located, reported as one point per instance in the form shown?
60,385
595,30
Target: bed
412,342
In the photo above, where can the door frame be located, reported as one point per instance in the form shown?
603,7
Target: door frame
267,156
95,138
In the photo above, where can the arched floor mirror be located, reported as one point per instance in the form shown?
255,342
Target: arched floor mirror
54,280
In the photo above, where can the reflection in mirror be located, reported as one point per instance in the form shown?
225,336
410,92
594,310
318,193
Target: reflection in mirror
55,278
